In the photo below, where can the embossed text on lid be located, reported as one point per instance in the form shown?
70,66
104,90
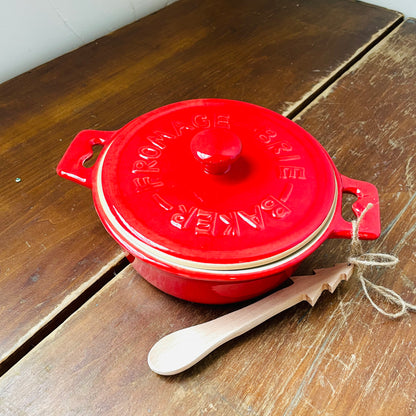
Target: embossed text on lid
274,190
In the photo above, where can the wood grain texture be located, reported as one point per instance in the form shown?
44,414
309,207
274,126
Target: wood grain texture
96,363
339,358
269,53
367,122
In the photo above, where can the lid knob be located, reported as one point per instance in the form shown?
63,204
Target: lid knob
216,149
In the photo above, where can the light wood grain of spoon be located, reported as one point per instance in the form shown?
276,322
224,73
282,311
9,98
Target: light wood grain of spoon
182,349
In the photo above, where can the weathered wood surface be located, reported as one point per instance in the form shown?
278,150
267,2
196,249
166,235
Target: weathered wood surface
368,123
339,358
273,54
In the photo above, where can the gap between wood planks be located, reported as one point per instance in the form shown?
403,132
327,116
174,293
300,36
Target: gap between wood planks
62,316
108,276
301,105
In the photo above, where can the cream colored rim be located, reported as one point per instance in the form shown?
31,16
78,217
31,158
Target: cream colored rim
210,268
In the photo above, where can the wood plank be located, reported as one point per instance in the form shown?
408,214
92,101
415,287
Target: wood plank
367,122
53,245
341,357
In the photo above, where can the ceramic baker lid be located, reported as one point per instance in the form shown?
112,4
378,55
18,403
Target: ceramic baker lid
215,185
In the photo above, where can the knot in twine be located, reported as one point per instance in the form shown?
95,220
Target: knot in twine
364,260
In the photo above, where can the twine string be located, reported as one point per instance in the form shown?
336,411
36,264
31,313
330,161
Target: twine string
364,260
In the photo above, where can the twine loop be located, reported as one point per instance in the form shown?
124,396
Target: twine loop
364,260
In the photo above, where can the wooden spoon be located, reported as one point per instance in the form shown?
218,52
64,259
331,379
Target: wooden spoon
182,349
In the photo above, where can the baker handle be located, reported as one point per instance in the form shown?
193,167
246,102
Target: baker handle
79,151
366,193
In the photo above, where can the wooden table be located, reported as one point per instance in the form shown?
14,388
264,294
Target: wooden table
76,322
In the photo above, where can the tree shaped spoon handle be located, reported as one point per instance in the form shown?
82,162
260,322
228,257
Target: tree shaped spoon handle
182,349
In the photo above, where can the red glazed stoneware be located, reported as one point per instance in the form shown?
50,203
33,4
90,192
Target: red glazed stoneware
216,201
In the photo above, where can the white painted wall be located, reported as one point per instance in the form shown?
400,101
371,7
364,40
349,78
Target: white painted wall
407,7
35,31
